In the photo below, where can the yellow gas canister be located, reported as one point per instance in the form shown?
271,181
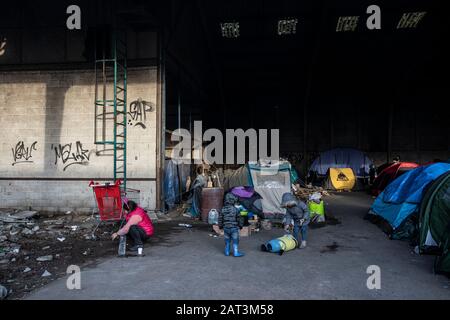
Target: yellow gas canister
287,242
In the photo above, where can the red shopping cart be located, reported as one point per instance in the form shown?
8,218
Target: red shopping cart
109,199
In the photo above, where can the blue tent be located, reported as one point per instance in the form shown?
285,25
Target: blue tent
402,196
342,158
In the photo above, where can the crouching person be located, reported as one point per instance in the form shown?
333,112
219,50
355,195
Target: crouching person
231,222
298,212
138,227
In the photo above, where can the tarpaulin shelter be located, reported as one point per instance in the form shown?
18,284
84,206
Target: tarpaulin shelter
435,222
389,174
175,177
341,158
403,196
340,179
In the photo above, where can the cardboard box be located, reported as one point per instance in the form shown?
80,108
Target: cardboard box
244,232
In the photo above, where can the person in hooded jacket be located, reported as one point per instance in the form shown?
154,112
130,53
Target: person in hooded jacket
231,222
297,212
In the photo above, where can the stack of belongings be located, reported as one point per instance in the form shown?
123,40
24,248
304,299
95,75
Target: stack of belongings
316,209
250,208
249,199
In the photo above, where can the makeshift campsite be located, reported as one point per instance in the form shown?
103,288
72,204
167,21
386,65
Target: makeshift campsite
340,179
399,203
435,222
389,174
341,158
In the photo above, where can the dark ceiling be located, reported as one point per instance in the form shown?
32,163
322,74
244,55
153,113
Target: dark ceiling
316,66
313,84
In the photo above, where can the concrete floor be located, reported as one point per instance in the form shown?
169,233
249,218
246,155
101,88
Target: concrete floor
189,264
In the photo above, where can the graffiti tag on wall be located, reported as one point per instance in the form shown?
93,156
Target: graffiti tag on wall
70,154
138,112
22,154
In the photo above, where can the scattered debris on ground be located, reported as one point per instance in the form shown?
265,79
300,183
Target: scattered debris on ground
304,193
36,249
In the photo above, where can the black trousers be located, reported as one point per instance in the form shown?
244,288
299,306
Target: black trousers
137,235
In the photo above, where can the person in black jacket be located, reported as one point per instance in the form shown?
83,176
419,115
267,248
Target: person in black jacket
231,222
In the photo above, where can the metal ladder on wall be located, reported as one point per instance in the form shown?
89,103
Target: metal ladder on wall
111,100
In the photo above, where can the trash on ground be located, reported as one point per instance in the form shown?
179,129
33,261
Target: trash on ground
24,234
45,258
46,274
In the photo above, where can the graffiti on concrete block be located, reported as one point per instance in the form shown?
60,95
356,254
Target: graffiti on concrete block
138,112
23,154
70,154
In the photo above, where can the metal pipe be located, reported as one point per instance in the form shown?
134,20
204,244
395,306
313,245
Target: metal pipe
179,110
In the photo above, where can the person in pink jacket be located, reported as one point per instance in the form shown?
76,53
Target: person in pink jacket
138,227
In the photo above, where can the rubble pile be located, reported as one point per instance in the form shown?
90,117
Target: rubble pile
304,193
36,249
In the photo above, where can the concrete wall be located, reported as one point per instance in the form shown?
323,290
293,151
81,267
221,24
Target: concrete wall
47,150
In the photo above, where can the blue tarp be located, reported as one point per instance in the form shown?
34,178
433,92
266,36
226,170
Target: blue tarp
171,184
402,196
342,158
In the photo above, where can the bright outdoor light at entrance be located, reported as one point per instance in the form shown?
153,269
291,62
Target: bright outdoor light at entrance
230,29
410,20
347,23
287,26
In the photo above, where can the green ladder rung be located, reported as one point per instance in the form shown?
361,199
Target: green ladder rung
111,71
106,114
105,60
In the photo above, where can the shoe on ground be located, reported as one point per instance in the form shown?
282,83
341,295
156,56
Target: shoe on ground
303,245
135,248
